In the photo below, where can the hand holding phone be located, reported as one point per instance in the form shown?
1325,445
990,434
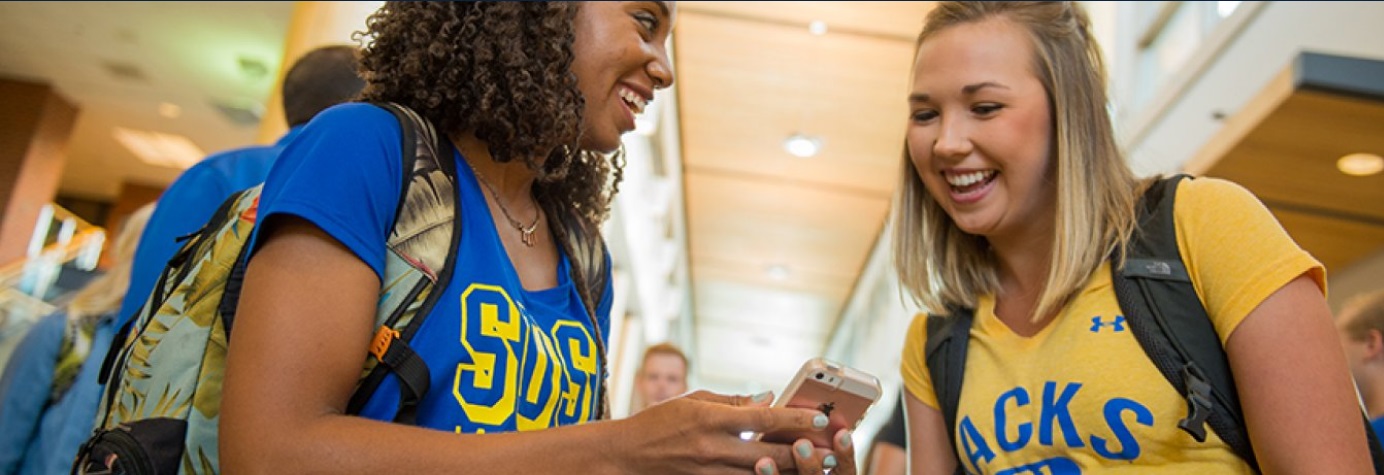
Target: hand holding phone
843,393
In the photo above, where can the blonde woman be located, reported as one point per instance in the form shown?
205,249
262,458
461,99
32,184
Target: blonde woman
1014,196
49,392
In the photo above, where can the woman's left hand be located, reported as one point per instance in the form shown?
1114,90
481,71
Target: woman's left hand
808,460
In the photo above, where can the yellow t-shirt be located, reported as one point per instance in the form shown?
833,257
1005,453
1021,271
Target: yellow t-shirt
1081,395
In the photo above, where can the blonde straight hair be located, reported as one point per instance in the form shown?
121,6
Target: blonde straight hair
104,294
943,267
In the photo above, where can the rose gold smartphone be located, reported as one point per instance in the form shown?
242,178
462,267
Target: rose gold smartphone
843,393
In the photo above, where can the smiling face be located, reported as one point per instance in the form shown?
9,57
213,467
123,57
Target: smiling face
980,129
620,58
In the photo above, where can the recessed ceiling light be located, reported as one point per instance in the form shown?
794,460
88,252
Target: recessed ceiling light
1360,164
169,110
803,146
817,27
156,148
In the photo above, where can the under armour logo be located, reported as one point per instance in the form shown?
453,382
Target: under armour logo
826,408
1117,324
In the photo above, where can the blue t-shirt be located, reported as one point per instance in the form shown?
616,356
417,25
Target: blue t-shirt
501,358
1378,425
186,205
39,436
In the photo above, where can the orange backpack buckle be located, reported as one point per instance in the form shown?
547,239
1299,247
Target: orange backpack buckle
383,338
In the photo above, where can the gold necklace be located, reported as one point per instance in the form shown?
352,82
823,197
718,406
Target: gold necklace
527,237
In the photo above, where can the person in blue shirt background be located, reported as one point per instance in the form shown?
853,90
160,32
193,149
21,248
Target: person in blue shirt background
533,95
41,435
323,77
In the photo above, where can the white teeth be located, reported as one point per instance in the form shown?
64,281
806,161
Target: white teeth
968,179
635,101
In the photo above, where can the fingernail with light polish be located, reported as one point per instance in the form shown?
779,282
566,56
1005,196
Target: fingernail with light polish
766,469
846,440
820,421
829,462
804,450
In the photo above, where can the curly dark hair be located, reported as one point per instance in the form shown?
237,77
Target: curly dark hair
503,71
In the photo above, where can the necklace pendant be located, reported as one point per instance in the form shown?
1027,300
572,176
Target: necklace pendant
528,237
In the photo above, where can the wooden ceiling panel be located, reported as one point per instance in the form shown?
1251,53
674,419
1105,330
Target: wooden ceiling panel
1336,243
795,312
1290,157
745,87
747,360
902,20
755,272
807,229
749,75
1283,145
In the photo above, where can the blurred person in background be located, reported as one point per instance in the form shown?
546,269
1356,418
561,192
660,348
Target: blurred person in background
49,390
321,78
662,375
1361,326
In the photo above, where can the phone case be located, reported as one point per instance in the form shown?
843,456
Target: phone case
843,393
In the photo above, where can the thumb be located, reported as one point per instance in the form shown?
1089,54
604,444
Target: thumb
763,399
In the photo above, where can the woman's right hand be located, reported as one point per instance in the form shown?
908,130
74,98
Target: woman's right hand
701,433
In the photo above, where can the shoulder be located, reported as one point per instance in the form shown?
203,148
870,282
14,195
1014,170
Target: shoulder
1236,252
918,327
1212,194
347,130
915,339
1218,210
917,378
351,114
358,134
1215,208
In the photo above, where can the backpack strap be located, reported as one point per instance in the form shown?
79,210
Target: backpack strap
948,337
1376,447
1166,316
1178,335
173,272
428,171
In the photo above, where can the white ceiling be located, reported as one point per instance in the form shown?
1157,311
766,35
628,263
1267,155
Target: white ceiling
187,54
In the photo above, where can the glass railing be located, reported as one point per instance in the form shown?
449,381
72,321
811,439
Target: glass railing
62,245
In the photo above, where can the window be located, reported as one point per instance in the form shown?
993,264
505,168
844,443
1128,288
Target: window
1170,33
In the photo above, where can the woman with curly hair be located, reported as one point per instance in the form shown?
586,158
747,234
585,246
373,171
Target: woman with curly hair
533,95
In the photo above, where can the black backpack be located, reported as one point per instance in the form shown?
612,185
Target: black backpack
1167,318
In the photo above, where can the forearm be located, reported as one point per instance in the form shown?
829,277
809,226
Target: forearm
348,444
